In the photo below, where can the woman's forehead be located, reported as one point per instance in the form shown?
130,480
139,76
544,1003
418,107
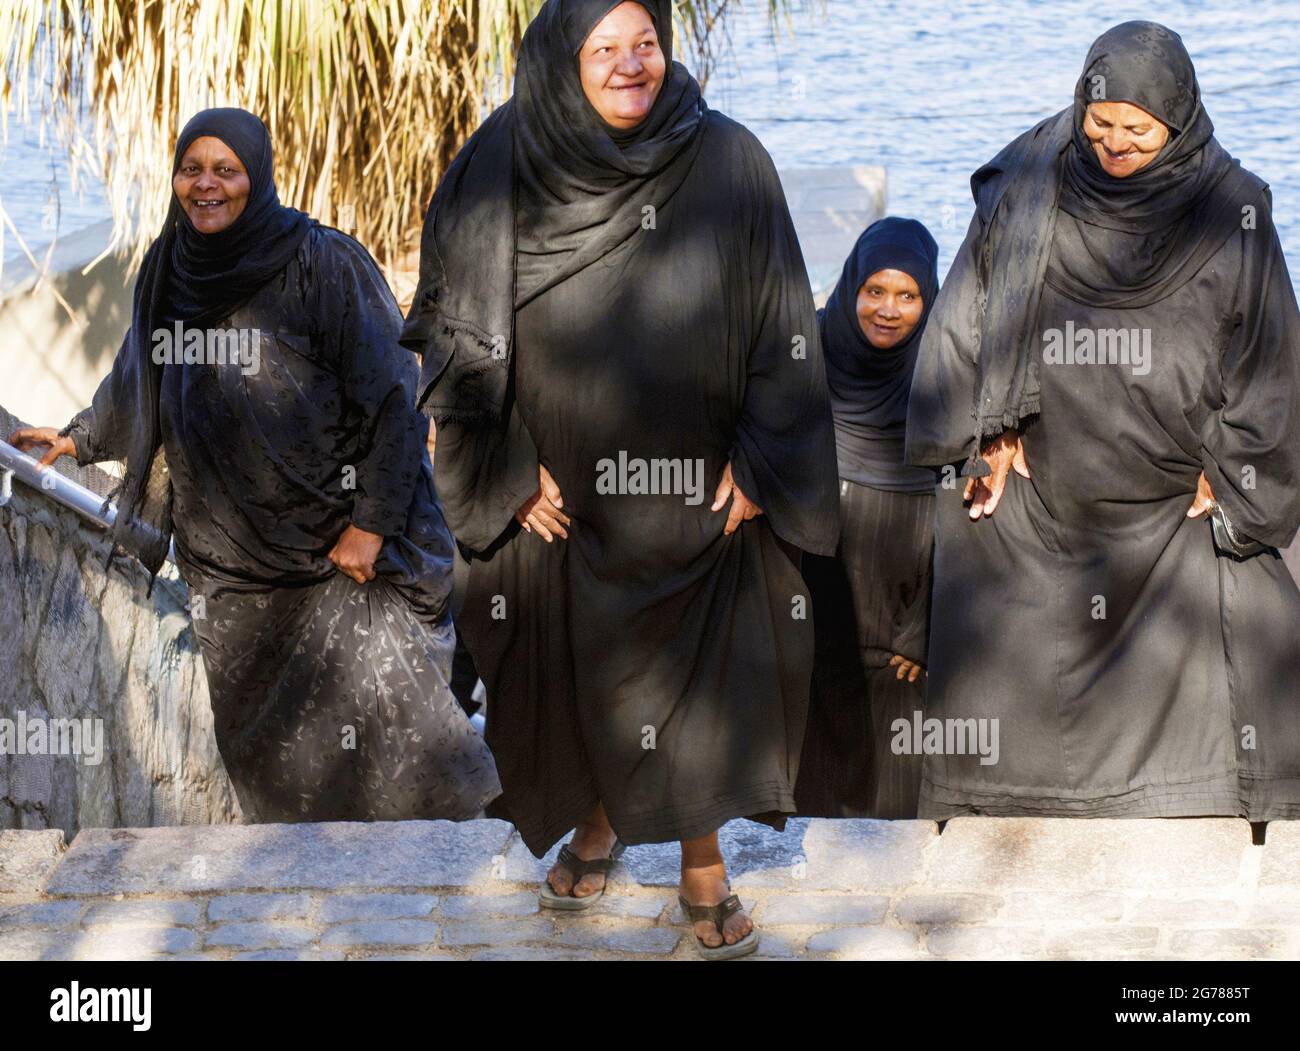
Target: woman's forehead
211,150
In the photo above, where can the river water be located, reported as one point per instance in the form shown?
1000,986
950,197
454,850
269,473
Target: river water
928,89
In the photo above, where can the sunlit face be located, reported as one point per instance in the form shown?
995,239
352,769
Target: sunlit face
889,308
622,66
211,185
1126,138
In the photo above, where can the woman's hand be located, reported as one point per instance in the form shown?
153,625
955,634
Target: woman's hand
742,507
1203,502
541,512
906,668
355,553
1001,454
26,438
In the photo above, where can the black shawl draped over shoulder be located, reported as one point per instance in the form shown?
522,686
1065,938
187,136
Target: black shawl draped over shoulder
869,386
194,278
1187,202
541,190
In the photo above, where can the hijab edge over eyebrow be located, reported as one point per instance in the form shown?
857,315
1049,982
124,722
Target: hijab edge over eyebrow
1051,168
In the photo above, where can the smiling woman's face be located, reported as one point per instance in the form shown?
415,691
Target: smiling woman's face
622,66
1125,137
889,307
211,185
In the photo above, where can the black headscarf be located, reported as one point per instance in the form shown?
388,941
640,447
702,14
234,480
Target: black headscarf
869,387
1186,203
544,188
195,278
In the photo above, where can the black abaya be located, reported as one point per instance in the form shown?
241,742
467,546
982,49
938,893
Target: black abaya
649,662
1130,668
330,698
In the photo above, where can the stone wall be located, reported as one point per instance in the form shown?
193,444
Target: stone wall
79,641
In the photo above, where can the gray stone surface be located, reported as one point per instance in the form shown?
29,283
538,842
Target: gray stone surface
26,856
1093,943
984,943
258,907
259,936
1051,908
655,940
341,907
42,914
822,910
143,913
1281,864
131,943
1219,944
289,954
326,856
498,932
382,932
462,906
997,889
975,853
865,943
945,909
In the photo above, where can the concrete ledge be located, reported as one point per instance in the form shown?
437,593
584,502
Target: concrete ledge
27,858
987,888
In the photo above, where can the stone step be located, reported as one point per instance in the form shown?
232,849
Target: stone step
987,888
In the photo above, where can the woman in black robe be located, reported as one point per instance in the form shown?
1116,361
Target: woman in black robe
871,602
617,334
289,468
1116,357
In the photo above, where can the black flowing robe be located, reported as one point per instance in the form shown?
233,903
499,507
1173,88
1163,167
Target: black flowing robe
649,662
330,699
1131,668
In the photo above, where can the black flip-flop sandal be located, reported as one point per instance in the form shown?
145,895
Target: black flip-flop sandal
577,868
718,915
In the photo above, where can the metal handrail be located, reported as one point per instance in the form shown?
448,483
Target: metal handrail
58,487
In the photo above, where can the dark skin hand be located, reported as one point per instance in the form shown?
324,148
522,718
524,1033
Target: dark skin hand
1001,454
355,553
909,670
1006,452
25,439
541,513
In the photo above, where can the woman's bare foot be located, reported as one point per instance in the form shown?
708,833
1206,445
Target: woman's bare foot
592,839
704,882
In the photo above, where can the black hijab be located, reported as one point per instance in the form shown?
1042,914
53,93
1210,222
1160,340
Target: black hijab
869,387
197,279
1184,205
543,189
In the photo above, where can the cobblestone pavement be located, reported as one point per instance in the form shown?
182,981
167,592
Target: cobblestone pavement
987,888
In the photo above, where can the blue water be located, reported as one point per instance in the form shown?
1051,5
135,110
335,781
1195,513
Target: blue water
929,89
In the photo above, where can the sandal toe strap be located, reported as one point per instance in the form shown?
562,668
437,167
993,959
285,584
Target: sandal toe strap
579,868
717,914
